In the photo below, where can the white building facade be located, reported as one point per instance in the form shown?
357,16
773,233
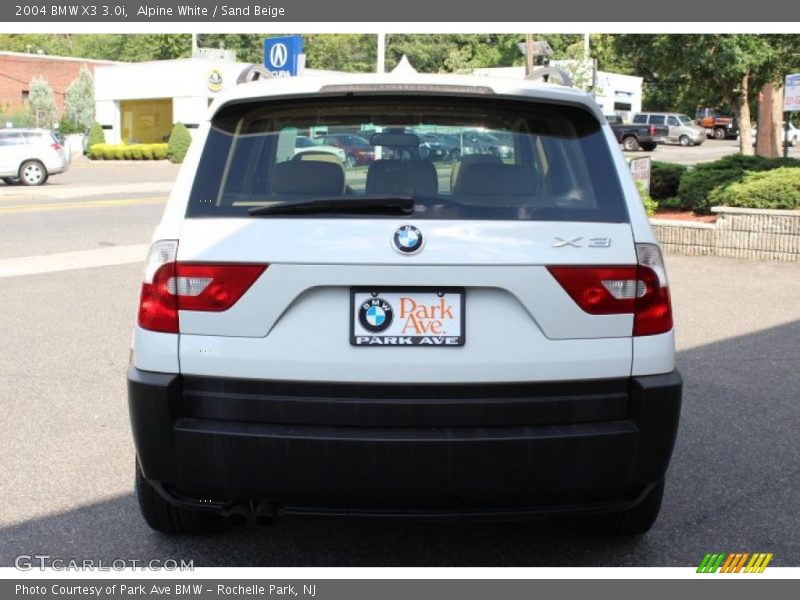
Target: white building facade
614,93
140,102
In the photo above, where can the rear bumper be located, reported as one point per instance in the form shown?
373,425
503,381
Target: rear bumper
404,450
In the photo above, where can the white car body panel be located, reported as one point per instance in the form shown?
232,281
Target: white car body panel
272,332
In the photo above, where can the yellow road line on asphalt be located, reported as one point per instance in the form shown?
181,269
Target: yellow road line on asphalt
19,208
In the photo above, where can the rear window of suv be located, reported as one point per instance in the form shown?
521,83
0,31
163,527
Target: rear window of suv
496,159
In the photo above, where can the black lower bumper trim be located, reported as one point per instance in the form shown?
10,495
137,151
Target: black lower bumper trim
404,470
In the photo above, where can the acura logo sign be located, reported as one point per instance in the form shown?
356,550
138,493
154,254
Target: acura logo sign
278,55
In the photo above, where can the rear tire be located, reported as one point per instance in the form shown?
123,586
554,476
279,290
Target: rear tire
166,518
630,143
649,147
32,172
719,134
12,180
636,521
350,161
684,140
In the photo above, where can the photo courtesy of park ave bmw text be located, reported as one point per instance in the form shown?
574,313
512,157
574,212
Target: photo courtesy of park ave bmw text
401,291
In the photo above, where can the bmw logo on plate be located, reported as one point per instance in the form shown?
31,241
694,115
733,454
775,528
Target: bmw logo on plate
375,315
407,240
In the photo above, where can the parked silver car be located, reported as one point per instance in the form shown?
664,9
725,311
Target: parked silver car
30,156
682,129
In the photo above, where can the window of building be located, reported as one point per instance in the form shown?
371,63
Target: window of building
25,94
146,121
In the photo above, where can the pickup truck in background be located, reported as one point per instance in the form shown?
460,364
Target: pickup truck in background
636,137
717,125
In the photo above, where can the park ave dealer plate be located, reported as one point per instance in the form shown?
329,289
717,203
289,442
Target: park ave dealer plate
407,317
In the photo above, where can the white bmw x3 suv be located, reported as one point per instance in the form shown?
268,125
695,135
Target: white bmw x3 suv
486,337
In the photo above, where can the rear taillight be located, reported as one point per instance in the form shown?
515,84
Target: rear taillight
56,146
170,286
608,290
652,130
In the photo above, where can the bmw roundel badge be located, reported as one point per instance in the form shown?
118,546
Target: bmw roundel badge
375,315
408,240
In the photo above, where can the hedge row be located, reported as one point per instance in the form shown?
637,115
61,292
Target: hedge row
778,188
700,188
128,152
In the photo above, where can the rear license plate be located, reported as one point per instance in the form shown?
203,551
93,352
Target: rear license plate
407,317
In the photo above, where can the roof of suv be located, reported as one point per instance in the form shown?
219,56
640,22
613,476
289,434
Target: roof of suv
404,84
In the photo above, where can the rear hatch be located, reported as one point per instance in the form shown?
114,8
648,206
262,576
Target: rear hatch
520,267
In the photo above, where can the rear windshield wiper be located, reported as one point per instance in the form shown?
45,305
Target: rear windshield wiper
380,204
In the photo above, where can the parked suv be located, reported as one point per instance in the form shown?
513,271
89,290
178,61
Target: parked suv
317,339
682,129
30,156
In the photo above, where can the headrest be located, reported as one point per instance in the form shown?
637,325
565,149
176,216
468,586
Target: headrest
415,177
465,161
308,177
496,179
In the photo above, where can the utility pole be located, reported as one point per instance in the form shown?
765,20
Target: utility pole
528,54
381,65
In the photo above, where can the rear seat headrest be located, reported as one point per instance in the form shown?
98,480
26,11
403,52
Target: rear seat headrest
496,179
416,177
309,177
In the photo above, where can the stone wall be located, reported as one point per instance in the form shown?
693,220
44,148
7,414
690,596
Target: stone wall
738,232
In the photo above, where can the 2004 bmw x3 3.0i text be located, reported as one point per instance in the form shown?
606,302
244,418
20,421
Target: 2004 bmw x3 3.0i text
485,336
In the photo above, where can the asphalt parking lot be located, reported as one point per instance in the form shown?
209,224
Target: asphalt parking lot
67,468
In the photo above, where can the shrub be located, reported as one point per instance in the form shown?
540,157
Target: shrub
179,141
650,205
778,188
696,185
665,179
96,135
96,151
161,151
127,152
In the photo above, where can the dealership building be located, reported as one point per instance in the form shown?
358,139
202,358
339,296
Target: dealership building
138,103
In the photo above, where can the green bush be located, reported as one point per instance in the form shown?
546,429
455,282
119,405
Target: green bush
161,151
650,205
778,188
672,203
127,152
95,151
66,126
96,135
665,179
179,141
696,185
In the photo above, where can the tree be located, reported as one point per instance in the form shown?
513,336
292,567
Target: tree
682,72
79,99
355,53
179,141
41,104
